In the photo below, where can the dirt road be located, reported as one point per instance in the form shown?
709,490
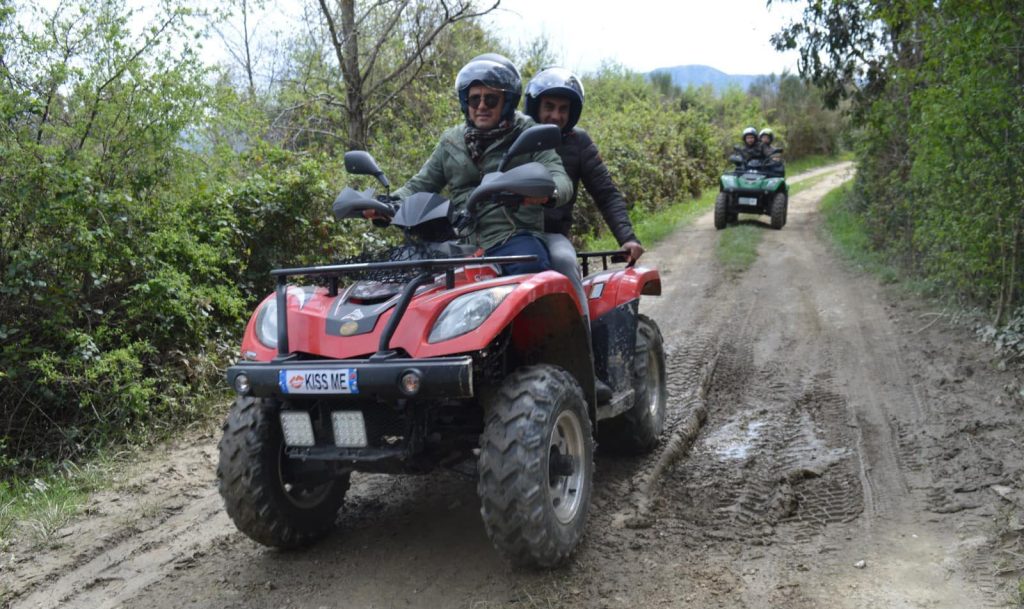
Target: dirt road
855,451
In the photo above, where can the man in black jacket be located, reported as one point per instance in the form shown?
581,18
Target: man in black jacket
555,96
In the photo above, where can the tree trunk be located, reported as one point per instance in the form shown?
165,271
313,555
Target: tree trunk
352,77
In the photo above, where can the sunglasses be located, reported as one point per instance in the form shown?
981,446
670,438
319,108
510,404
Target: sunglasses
490,100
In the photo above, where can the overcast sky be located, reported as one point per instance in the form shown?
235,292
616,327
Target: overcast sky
731,35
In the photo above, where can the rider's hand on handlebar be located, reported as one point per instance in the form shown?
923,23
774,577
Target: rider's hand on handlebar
635,250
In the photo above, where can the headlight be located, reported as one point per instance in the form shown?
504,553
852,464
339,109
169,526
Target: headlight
266,324
467,312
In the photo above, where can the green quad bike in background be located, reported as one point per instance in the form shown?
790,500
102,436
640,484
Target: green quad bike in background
755,186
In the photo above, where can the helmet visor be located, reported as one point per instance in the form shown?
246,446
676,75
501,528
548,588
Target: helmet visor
554,78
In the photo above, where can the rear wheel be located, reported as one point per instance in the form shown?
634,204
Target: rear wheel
536,466
779,205
721,210
274,500
637,430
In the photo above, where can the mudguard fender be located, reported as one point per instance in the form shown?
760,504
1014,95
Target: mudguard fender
610,289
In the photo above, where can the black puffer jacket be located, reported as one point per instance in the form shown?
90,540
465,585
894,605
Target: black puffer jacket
583,162
752,152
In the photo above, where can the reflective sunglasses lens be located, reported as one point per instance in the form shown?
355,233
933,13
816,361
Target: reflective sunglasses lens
490,100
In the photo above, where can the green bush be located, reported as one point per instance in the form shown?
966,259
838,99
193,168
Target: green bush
936,93
656,153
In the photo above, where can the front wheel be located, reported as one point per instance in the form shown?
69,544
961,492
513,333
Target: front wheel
536,466
721,210
274,500
780,204
637,430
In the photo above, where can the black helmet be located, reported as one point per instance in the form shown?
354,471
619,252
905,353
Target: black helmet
558,82
494,71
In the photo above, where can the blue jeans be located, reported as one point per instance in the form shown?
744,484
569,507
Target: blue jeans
521,245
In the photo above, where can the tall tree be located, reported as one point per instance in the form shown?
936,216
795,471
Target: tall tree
846,46
362,35
239,27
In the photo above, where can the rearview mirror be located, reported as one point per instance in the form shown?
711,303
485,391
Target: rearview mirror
534,139
359,162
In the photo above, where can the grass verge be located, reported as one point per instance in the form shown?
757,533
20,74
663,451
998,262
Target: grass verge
737,246
850,235
813,162
652,227
32,511
806,184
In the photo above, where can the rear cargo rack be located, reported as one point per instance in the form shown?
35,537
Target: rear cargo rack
616,256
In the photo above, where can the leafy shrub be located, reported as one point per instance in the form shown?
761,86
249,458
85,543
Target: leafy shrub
656,153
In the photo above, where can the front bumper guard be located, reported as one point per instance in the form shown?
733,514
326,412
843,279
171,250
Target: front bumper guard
441,377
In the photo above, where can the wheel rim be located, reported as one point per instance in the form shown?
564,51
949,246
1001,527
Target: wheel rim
302,497
653,382
566,466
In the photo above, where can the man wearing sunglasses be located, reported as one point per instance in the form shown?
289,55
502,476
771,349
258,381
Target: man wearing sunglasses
489,88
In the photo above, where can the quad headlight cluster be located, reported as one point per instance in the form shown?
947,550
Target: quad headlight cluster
467,312
266,324
464,314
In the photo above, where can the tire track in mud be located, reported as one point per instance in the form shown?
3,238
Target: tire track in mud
691,371
151,529
801,453
759,459
121,571
832,425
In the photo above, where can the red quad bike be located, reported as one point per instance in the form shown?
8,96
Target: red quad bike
431,357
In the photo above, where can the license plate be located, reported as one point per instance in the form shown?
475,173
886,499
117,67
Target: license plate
748,200
327,381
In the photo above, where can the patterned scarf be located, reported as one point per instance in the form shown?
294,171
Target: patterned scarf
478,140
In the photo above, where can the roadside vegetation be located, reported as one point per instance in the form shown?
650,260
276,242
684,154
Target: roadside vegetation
933,91
147,194
852,236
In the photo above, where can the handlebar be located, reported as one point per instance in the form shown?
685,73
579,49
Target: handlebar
512,186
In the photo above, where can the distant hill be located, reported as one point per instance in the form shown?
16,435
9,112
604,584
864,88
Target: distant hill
706,75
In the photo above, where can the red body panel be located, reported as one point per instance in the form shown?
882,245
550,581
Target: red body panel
618,286
307,320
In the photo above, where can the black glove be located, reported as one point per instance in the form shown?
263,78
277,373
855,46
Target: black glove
391,201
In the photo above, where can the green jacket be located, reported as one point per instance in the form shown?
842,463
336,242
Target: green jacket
450,167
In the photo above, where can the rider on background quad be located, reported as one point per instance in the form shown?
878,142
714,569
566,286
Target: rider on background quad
751,148
771,154
489,88
555,96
